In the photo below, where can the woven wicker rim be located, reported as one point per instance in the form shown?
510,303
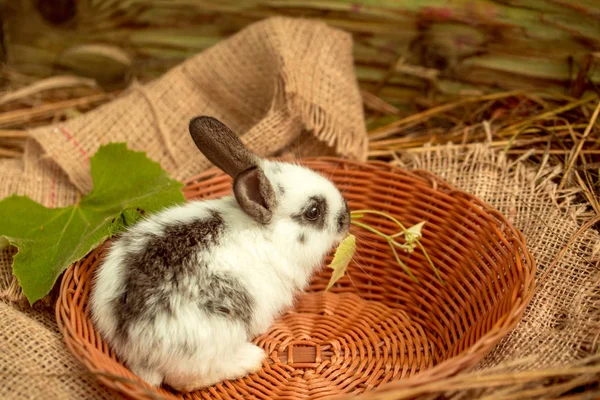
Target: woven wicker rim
415,349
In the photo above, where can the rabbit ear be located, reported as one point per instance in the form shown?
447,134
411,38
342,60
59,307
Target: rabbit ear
255,194
253,191
221,146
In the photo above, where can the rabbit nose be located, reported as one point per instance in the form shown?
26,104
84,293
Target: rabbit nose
344,219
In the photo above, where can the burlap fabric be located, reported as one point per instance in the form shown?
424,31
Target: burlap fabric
278,81
562,323
271,82
287,86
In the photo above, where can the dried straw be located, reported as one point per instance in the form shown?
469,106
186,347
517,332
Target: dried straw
413,98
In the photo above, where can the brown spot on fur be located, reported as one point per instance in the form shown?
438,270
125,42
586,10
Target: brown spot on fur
172,263
302,238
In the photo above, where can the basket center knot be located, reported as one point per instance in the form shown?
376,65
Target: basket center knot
303,354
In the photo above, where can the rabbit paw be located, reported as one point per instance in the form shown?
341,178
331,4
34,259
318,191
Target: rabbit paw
152,377
247,360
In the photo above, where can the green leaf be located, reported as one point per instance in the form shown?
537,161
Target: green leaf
341,259
127,185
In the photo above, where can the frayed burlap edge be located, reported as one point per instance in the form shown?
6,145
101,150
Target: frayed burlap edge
555,346
555,331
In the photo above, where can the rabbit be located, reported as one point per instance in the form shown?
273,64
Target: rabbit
181,294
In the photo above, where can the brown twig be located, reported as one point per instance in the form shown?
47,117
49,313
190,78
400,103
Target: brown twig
566,248
375,103
22,116
13,134
10,153
392,128
579,146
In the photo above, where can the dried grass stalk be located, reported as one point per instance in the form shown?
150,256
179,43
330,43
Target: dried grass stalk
403,50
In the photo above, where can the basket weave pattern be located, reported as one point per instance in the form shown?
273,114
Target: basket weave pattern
376,329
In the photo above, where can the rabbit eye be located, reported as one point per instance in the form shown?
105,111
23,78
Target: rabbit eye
312,213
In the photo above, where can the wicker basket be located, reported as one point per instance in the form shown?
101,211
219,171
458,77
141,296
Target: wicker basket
376,329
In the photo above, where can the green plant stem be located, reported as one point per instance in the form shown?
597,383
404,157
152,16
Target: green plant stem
404,266
360,212
391,242
389,238
430,262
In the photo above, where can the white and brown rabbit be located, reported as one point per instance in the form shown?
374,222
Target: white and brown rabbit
181,294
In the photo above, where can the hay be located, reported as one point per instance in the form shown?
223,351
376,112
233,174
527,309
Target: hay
550,135
577,381
410,106
403,50
555,130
